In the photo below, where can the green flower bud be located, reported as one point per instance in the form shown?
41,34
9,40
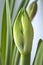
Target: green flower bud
23,33
32,10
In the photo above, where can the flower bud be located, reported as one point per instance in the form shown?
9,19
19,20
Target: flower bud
23,33
32,10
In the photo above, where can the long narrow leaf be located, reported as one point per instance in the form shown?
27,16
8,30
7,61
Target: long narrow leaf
3,35
1,63
11,5
9,35
39,54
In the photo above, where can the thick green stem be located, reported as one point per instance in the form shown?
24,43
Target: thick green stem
25,60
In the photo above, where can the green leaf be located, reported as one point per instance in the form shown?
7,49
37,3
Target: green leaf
9,36
17,58
6,36
1,59
13,55
3,34
11,5
25,4
39,54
